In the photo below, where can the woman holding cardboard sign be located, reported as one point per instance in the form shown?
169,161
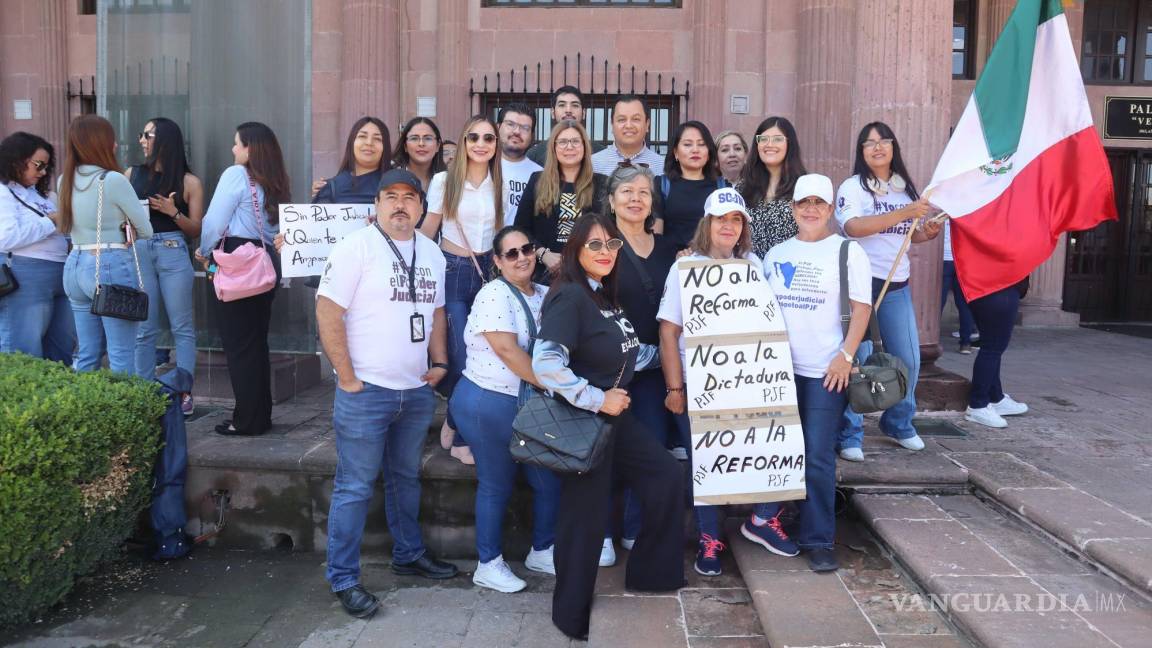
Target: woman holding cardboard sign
367,156
725,233
806,274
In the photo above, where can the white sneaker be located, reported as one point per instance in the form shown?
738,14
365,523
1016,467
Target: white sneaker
608,554
852,454
541,561
496,574
985,416
913,442
1008,407
628,543
679,453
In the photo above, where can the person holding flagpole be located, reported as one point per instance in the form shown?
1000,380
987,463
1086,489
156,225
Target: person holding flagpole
877,207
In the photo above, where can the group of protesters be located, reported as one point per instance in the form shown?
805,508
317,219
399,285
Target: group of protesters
495,265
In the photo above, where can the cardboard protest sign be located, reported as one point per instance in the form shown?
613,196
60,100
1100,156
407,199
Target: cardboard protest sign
747,443
310,231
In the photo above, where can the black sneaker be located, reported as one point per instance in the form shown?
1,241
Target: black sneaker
358,601
425,566
822,560
708,556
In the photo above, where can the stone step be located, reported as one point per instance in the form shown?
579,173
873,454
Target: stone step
1116,541
998,580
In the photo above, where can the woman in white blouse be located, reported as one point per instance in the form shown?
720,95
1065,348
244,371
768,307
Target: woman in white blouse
498,336
466,207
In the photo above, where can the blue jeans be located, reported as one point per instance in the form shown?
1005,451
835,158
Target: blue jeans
820,414
167,272
950,283
461,285
897,322
996,316
94,333
485,420
36,319
376,429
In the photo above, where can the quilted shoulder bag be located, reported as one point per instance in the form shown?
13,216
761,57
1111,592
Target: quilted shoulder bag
882,380
248,270
551,433
115,300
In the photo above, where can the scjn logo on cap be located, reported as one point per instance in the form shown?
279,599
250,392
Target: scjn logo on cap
730,196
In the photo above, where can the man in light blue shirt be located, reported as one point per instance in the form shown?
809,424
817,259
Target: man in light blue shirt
629,130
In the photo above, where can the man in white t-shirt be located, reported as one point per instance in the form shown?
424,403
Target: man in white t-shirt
380,311
516,123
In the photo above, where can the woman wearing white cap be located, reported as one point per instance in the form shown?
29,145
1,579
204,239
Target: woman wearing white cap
804,272
724,234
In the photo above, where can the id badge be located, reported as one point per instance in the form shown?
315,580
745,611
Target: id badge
416,324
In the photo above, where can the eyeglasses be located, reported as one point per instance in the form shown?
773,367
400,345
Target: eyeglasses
147,135
871,144
516,127
771,139
569,143
628,163
514,253
39,164
810,203
613,244
475,137
418,139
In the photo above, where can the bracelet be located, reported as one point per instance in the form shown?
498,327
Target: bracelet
178,215
675,389
440,365
540,255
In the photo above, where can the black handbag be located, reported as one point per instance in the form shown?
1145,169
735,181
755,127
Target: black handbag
8,283
551,433
115,300
882,380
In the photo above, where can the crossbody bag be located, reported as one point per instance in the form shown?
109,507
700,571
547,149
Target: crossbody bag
115,300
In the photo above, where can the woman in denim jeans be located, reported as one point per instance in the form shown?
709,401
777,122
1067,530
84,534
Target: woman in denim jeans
465,205
100,252
36,319
175,201
486,401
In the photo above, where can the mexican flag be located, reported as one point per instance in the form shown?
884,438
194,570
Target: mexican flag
1025,163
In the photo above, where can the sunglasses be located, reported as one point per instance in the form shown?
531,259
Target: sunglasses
475,137
613,244
147,135
514,253
39,164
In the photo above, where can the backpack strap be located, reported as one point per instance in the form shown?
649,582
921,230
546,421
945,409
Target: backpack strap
665,186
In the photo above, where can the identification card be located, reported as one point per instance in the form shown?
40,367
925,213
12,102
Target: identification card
416,323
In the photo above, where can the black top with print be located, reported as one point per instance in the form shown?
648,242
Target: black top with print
599,340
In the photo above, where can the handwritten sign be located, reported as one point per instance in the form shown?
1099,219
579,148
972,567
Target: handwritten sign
747,443
310,231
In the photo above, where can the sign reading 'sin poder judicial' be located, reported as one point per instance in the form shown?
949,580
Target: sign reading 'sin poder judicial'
310,231
747,444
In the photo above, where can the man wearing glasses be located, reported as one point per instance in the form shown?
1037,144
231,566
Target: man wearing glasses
516,122
629,130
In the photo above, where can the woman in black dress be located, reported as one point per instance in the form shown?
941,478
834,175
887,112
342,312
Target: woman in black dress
586,346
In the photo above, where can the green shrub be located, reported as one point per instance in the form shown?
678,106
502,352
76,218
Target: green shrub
76,456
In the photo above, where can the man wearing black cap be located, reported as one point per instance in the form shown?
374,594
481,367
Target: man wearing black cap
380,311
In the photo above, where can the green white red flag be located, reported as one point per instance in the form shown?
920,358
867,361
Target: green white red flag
1024,163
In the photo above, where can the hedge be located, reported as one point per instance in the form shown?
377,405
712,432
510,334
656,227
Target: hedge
76,457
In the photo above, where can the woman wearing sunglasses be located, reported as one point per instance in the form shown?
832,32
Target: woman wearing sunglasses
466,206
766,183
557,195
499,338
586,352
35,319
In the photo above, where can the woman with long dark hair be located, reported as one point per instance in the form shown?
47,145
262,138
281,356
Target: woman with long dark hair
36,319
767,181
418,150
175,200
877,207
691,173
586,351
245,209
101,252
367,155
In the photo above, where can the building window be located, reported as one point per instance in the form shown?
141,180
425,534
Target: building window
87,8
1117,46
581,3
963,38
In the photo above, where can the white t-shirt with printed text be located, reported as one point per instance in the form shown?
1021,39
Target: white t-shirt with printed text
496,310
806,279
515,176
854,201
364,277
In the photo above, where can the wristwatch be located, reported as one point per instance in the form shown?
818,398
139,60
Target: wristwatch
847,356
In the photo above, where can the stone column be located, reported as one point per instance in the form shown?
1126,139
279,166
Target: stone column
708,61
903,78
370,66
452,102
824,85
52,94
1044,304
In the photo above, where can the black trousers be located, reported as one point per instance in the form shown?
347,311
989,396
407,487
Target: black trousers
656,562
243,326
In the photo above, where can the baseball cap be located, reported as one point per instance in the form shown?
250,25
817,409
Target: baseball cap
813,184
400,176
723,201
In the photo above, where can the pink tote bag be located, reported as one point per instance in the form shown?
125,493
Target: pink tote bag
247,270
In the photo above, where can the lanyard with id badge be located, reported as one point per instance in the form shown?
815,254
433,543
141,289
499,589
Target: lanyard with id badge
416,322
